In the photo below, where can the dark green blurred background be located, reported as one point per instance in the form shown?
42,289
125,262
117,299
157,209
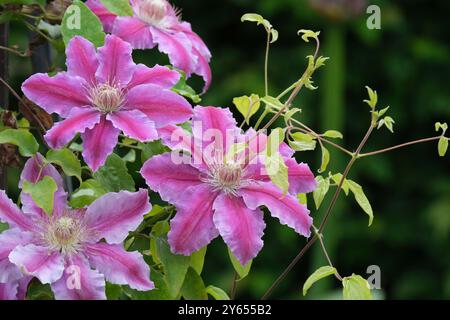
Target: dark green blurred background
408,63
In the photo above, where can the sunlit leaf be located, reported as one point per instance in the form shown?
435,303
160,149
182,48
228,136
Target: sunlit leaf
118,7
247,106
325,159
26,142
302,142
68,162
442,146
89,191
373,98
217,293
356,288
307,34
320,273
333,134
42,193
323,185
361,198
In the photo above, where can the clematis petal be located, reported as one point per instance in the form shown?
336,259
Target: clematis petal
77,121
23,287
203,69
9,240
82,59
116,64
301,178
159,76
164,107
214,126
79,281
240,227
119,266
178,47
133,31
168,178
9,290
11,214
192,228
106,17
38,261
114,215
134,124
99,143
58,94
284,207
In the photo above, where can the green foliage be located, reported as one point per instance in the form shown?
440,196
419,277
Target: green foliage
373,98
356,288
323,185
26,142
185,90
150,149
217,293
241,270
118,7
41,3
175,267
68,162
307,34
114,176
302,142
79,20
42,193
193,287
89,191
333,134
442,146
198,260
361,198
325,159
253,17
247,106
320,273
388,122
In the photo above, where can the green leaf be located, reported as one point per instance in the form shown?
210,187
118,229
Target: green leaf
79,20
345,185
302,198
161,292
277,171
323,185
89,191
361,198
26,142
320,62
42,193
307,34
273,103
217,293
151,149
156,209
118,7
320,273
442,146
67,161
113,291
198,260
247,106
325,159
241,270
130,156
373,98
254,17
274,141
290,113
114,176
3,226
333,134
442,126
302,142
356,288
175,267
160,228
185,90
193,287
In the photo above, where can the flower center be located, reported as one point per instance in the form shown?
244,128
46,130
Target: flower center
225,177
64,234
152,12
107,98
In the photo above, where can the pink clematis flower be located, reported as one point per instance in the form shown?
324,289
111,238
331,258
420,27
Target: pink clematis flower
220,195
156,22
65,249
103,93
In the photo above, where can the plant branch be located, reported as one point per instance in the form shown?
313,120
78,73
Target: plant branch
368,154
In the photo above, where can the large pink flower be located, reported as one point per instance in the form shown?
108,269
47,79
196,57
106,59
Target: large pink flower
66,249
104,92
223,195
156,22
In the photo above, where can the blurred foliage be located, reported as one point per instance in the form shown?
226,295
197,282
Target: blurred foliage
408,62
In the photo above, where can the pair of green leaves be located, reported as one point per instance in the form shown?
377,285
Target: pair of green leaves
323,186
253,17
354,287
